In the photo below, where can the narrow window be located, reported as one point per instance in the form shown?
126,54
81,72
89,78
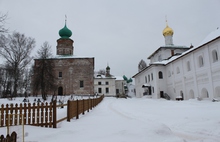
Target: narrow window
201,62
148,78
152,76
81,84
60,74
214,55
145,79
100,90
106,90
117,91
160,74
188,66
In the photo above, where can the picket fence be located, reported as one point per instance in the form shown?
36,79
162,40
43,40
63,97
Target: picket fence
44,114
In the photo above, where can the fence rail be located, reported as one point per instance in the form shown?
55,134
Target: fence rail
44,114
75,108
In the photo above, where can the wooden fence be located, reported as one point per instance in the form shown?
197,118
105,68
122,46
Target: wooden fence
43,114
9,138
75,108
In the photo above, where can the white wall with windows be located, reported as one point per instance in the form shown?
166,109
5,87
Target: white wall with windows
104,85
194,74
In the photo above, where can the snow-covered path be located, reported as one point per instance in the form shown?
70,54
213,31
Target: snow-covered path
138,120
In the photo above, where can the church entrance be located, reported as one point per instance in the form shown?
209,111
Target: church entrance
60,91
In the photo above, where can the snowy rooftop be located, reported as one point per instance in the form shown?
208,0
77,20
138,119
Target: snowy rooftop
119,78
103,76
212,36
70,56
168,46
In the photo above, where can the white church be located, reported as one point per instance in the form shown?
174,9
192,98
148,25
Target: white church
180,72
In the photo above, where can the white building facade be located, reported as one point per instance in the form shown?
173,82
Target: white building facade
109,85
182,72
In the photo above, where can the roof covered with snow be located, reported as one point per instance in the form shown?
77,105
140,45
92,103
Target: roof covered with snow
211,37
69,56
100,76
168,47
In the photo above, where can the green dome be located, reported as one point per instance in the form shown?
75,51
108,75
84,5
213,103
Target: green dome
65,32
107,68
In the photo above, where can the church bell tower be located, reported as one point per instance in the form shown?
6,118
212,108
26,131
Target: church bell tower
64,43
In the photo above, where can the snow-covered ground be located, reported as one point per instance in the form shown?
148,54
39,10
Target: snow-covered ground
136,120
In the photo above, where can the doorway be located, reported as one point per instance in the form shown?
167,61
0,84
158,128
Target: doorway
60,91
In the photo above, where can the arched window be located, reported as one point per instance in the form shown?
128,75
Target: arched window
201,62
215,56
188,66
160,74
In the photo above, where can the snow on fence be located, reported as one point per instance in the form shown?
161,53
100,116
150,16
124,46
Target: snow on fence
44,114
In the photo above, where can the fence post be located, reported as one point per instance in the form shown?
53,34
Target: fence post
54,114
83,107
68,110
77,109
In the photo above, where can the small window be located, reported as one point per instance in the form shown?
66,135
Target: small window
148,78
177,70
100,90
214,56
117,91
99,83
152,78
106,90
160,74
201,62
81,84
188,66
60,74
106,83
145,79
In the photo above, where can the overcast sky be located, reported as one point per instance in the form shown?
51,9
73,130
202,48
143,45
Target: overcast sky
116,32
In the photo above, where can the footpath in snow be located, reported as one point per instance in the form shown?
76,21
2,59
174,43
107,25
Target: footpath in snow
137,120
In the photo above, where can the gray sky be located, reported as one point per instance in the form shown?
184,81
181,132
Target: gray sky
116,32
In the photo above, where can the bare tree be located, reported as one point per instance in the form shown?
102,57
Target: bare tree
6,80
101,71
3,17
16,49
24,82
44,78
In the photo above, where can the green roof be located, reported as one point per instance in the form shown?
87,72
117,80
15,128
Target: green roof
65,32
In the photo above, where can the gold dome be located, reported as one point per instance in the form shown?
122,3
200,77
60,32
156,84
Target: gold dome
168,31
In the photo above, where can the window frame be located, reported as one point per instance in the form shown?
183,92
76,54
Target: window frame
81,84
214,55
160,75
60,74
